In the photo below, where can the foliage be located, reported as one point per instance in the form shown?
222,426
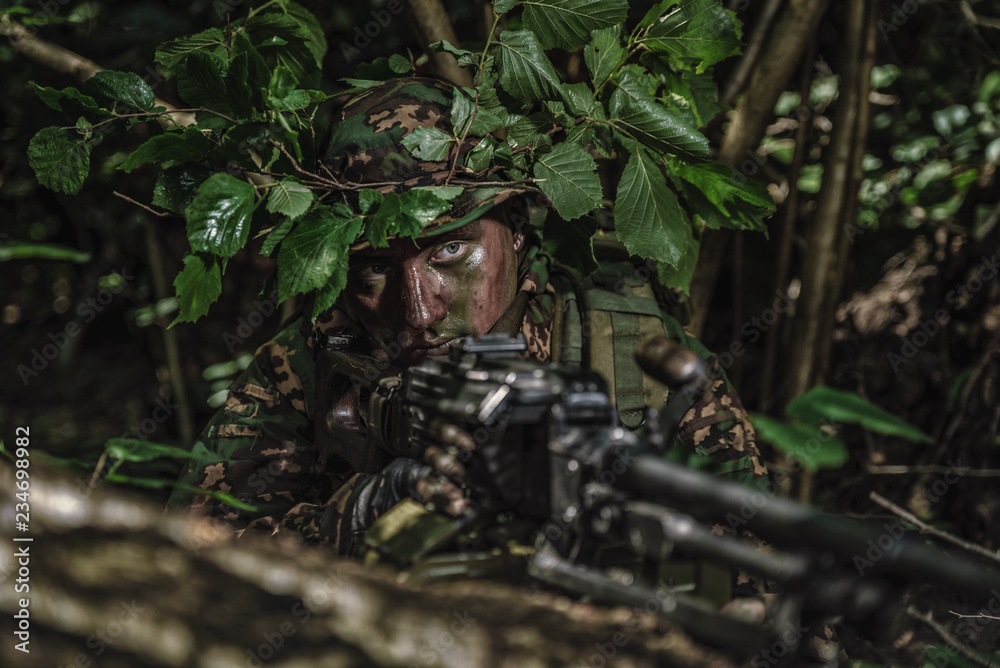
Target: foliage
807,436
252,88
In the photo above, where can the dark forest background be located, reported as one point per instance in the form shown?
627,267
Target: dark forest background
875,125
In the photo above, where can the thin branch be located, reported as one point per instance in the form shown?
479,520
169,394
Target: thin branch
926,528
98,469
979,616
161,214
328,182
25,43
962,648
908,470
147,114
752,52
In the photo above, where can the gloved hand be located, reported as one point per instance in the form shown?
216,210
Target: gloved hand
405,478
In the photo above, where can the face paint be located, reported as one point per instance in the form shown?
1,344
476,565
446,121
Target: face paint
420,298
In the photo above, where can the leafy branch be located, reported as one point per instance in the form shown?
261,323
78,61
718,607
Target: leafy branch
252,90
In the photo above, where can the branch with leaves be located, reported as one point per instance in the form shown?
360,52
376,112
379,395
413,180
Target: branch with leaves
253,90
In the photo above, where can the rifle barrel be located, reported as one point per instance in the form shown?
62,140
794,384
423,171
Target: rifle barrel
877,549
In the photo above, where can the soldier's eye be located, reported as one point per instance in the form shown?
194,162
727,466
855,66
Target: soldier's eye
449,251
374,271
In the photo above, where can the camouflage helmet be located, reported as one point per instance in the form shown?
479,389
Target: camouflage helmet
364,147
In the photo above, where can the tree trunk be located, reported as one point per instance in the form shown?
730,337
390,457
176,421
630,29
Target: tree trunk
114,582
432,25
796,28
838,194
777,333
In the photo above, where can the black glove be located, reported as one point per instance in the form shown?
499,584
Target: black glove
404,478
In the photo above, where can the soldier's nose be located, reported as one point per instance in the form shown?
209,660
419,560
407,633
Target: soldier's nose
422,303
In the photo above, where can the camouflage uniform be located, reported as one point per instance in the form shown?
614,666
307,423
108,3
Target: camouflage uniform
270,445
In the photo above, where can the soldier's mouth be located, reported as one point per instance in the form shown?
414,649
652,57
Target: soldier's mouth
439,350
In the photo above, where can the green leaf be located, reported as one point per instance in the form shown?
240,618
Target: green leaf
572,244
198,286
314,255
580,99
289,197
218,220
741,203
68,100
570,180
368,199
679,275
126,88
504,6
444,46
276,236
309,25
532,129
177,186
172,53
190,144
132,450
282,92
29,251
246,75
699,31
826,403
406,214
399,64
655,12
288,41
699,91
428,143
60,158
635,113
605,54
481,155
648,218
492,113
201,82
814,448
525,71
566,24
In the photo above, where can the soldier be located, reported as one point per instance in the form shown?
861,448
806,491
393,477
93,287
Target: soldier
291,437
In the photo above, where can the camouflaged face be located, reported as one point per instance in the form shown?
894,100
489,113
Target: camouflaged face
364,147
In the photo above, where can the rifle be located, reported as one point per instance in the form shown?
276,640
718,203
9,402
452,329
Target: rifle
549,449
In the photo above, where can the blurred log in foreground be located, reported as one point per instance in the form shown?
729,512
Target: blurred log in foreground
114,582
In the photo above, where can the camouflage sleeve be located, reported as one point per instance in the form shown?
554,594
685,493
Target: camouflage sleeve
715,434
259,447
716,430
